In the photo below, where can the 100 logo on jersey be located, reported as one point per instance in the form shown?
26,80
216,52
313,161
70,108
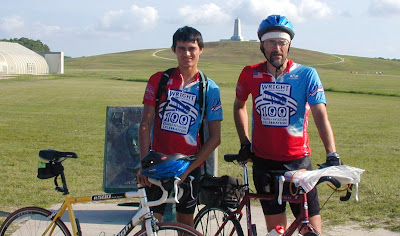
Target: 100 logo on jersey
274,104
180,112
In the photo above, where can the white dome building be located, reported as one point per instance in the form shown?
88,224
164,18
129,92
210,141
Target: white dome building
17,59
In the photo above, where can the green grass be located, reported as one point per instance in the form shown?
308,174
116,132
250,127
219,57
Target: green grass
67,112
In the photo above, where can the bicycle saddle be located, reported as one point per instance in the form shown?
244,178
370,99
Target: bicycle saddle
56,156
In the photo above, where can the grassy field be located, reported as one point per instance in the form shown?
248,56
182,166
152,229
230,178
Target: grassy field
67,112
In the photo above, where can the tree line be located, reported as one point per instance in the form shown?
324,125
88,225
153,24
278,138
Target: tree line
34,45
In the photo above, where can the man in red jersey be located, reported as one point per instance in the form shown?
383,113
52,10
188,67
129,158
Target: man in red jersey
171,125
283,93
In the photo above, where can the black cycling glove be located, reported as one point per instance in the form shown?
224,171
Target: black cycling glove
332,159
245,151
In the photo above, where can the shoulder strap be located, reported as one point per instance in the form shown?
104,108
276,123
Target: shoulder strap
203,103
162,86
202,110
203,94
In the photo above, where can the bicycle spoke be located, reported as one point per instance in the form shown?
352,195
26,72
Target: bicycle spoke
209,220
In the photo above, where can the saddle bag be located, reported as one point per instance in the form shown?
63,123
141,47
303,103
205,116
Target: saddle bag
224,190
49,170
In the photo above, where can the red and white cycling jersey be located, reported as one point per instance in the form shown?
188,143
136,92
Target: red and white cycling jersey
177,119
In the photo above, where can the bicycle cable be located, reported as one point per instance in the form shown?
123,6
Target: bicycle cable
327,199
334,190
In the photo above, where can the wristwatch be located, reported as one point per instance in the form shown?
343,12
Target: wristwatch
333,154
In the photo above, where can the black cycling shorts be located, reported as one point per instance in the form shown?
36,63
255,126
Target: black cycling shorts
260,167
187,203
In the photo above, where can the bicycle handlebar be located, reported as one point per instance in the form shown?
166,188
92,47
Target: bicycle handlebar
348,194
330,179
335,182
164,198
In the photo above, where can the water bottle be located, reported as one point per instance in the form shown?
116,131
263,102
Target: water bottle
279,230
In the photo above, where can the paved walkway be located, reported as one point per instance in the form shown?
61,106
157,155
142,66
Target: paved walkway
110,218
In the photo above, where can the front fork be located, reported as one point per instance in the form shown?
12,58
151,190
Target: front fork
306,226
151,225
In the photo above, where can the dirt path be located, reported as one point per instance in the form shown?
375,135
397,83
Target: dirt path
356,230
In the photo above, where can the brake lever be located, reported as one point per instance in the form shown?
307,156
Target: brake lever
191,186
281,181
176,182
356,192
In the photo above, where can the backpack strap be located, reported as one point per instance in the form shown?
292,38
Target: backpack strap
203,109
162,86
203,102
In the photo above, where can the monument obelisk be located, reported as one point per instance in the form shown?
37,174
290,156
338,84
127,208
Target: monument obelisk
237,31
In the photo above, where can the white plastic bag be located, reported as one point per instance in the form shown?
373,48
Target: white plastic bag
308,179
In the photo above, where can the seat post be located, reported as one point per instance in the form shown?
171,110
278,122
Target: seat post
64,182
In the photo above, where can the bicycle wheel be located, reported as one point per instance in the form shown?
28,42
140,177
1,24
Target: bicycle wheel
209,219
172,229
31,221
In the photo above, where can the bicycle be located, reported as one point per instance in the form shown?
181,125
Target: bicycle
224,219
39,221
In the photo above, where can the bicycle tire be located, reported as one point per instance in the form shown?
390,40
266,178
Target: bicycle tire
173,229
31,221
209,219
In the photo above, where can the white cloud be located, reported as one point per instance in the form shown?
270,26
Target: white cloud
135,18
43,29
14,26
344,13
145,17
263,8
11,23
206,14
314,9
295,10
384,8
111,18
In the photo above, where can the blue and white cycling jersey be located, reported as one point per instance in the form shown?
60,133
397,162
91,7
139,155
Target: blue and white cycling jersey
280,108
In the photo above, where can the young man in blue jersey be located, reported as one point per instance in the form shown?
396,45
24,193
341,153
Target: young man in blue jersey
283,94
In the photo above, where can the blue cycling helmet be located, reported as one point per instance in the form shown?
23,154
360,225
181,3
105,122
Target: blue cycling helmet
275,22
159,166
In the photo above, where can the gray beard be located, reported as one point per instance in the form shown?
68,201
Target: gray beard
275,62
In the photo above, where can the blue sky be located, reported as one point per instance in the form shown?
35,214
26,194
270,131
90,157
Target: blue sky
367,28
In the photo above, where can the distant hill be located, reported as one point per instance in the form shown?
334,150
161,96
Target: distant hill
223,62
234,53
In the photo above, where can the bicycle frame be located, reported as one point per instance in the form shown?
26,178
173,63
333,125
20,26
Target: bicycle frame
69,201
300,223
144,211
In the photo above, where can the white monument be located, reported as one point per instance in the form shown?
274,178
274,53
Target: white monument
237,31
